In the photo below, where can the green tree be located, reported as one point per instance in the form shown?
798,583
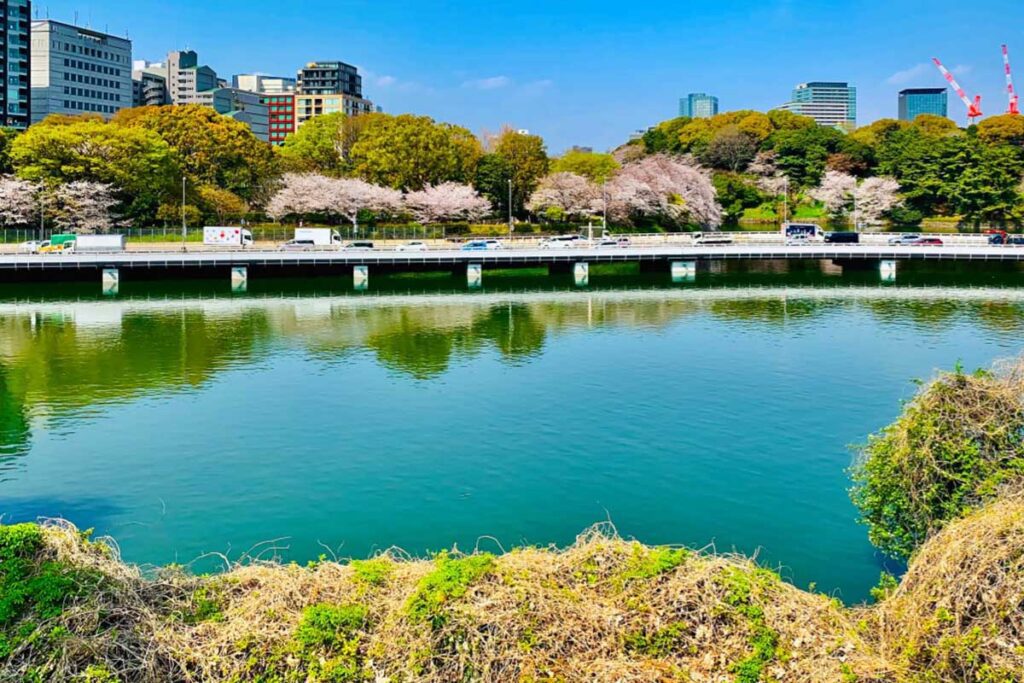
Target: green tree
142,167
802,153
1002,130
598,167
7,136
665,136
323,145
527,158
223,205
736,193
213,149
409,152
492,176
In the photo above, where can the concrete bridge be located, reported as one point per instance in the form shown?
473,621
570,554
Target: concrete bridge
680,259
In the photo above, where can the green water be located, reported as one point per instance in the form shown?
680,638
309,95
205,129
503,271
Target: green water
420,415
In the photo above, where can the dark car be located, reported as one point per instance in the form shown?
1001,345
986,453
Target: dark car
842,237
928,242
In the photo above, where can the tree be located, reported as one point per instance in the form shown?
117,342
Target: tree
301,194
212,149
661,186
171,214
447,201
665,136
1002,130
802,153
323,144
735,193
140,167
528,160
82,207
410,152
569,193
730,149
875,198
492,176
836,192
18,201
223,204
7,136
350,196
597,167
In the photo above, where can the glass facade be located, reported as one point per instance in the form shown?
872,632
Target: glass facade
15,61
829,103
916,101
330,78
698,105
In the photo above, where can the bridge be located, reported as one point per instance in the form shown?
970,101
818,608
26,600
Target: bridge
681,259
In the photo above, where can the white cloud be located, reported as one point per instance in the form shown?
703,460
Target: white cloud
492,83
907,75
536,87
385,81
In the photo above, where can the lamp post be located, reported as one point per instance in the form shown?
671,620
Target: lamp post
184,225
785,199
511,225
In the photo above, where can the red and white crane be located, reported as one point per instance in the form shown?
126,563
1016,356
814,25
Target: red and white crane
973,108
1011,93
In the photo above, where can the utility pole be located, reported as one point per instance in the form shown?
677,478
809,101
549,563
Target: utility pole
42,215
785,199
604,210
511,225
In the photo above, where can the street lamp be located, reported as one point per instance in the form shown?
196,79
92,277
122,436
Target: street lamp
511,225
184,225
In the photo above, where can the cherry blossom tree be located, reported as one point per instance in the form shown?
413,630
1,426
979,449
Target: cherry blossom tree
666,187
301,194
447,201
835,192
19,201
876,197
572,194
83,207
349,196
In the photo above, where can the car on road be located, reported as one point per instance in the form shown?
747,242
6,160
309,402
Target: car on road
798,239
481,245
358,245
564,242
31,247
707,239
842,237
415,245
928,242
904,240
298,245
613,242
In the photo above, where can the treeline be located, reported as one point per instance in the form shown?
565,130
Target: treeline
941,170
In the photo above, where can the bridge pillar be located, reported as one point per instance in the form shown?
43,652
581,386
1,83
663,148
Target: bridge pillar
239,279
683,271
887,270
111,281
474,275
581,273
360,277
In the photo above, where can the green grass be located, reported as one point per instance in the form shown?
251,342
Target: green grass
450,580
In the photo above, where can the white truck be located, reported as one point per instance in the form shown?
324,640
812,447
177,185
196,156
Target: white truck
317,237
226,236
99,243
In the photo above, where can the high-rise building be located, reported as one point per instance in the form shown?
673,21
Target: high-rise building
77,70
15,63
280,116
698,105
186,78
330,78
916,101
149,84
266,85
240,105
829,103
308,106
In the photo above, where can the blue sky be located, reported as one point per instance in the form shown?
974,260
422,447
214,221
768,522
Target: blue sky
585,72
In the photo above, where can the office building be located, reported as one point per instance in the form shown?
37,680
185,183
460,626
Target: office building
307,106
186,78
240,105
330,78
916,101
149,84
698,105
265,85
280,116
77,70
15,63
829,103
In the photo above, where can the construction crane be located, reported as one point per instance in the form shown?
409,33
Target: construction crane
1011,93
973,108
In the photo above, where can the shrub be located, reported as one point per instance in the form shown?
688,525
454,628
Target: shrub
328,626
956,442
450,579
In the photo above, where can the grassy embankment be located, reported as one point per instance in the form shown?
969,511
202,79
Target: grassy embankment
941,484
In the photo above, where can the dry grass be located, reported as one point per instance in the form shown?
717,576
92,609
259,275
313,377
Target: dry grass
604,609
